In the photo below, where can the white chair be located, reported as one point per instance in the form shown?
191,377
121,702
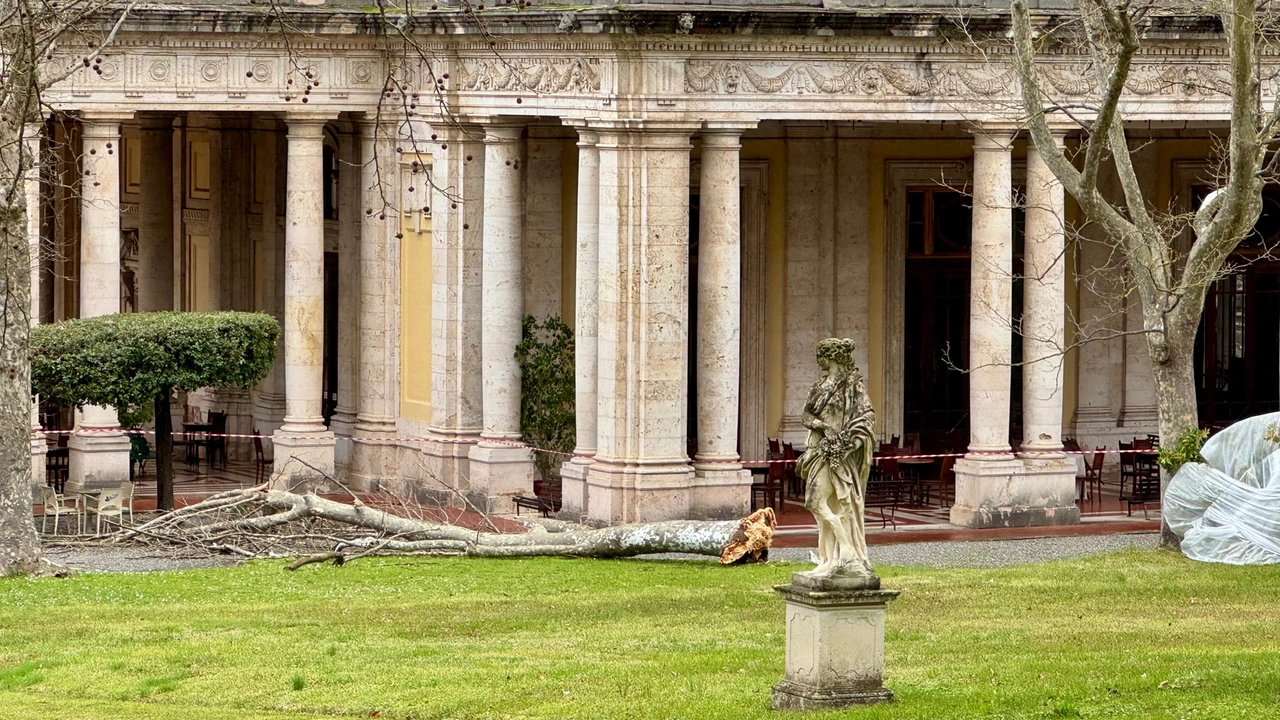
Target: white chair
59,505
108,503
126,498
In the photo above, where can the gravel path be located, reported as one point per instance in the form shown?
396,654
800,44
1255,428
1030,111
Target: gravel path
132,559
975,554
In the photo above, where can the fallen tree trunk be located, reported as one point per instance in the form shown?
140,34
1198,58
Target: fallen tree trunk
745,540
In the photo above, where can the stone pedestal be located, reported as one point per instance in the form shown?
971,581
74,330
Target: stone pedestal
835,644
1010,492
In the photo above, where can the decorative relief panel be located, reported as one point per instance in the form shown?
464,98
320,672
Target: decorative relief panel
937,79
859,78
543,75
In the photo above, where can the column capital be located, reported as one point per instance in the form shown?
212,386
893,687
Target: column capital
98,117
503,132
308,124
721,138
588,134
993,136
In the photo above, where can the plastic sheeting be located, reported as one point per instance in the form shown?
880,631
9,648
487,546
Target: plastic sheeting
1227,509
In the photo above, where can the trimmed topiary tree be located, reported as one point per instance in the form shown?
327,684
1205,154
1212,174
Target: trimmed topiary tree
134,361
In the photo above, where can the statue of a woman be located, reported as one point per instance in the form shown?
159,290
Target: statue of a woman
837,461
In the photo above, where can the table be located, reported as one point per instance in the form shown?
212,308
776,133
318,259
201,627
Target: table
914,466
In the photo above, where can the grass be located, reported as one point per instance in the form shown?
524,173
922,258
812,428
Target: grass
1132,634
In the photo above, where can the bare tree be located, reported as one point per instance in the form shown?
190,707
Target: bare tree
1171,286
29,34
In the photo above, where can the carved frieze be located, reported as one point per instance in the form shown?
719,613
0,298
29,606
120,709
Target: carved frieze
844,78
931,79
542,75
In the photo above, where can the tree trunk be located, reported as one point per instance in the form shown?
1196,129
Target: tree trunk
207,523
164,452
19,543
1176,404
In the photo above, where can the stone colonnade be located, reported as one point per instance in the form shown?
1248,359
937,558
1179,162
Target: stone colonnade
304,447
631,322
631,307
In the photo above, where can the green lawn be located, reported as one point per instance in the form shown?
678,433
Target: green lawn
1133,634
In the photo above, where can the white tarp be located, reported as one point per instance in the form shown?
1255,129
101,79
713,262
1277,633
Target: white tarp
1227,509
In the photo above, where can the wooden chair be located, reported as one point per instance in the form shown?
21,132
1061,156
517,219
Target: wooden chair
775,451
216,442
770,489
1091,481
262,466
1128,465
912,446
791,478
1144,487
941,481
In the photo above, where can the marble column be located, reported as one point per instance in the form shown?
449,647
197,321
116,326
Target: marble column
304,447
641,470
32,135
993,488
723,488
574,498
457,233
155,242
99,451
1043,314
349,200
500,469
1048,480
373,459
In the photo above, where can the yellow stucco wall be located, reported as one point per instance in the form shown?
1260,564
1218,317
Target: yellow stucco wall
415,320
775,152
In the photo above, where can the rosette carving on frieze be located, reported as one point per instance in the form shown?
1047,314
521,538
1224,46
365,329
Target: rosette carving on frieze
542,75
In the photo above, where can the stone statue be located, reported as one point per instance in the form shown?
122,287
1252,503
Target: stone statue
835,467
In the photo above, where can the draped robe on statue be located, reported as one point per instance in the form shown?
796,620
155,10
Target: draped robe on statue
838,414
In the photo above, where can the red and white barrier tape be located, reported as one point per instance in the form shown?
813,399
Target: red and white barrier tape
509,443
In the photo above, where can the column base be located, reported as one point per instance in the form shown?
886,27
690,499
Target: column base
499,473
98,459
720,492
304,461
1014,492
638,493
448,466
835,648
373,462
574,500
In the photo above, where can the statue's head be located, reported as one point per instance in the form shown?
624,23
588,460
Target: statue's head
836,351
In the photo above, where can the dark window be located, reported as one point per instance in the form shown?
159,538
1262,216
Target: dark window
330,184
